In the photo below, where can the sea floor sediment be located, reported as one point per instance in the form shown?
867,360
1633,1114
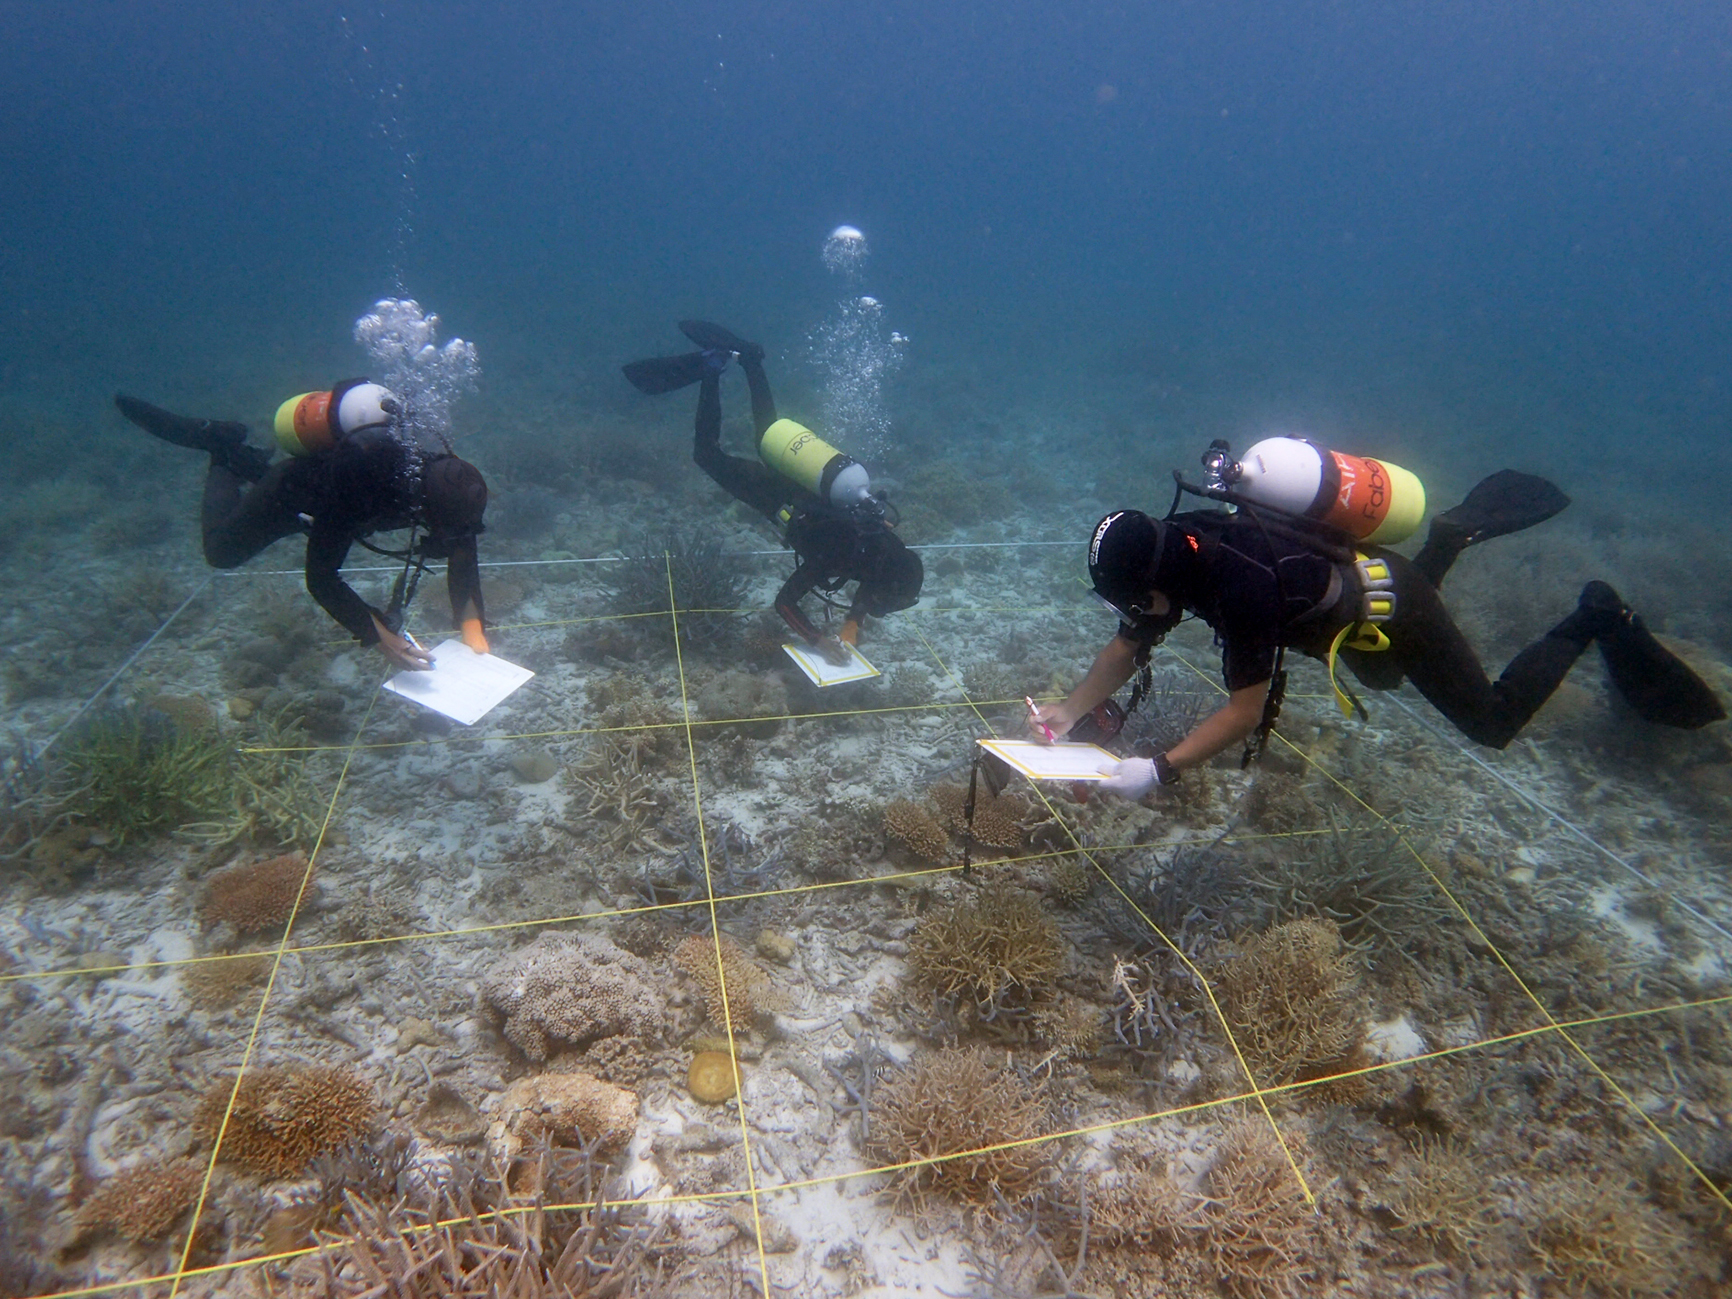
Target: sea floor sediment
1384,1012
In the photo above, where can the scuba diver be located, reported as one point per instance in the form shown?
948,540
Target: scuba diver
352,471
838,528
1299,560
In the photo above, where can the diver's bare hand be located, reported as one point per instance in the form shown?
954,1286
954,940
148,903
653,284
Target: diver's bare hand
401,653
1049,724
835,653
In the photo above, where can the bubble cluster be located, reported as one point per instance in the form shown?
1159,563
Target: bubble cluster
857,357
403,343
845,252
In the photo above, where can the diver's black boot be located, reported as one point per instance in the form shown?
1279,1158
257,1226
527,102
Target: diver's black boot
224,440
707,335
1659,685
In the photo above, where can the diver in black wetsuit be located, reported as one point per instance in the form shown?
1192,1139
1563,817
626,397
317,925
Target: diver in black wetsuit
349,474
837,529
1263,584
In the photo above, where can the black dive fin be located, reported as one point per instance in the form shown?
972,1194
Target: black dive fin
1655,682
661,374
714,337
213,435
1503,503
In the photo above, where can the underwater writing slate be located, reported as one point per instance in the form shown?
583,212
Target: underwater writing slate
463,685
821,672
1054,761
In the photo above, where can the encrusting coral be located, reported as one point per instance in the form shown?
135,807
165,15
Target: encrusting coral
986,947
1287,997
949,1106
570,1110
143,1202
571,989
256,897
285,1115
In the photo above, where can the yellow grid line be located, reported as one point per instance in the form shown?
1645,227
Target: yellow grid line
1552,1025
1203,983
1441,1053
1509,968
611,913
259,1015
716,939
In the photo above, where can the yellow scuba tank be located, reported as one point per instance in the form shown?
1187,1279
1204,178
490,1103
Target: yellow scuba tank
1371,500
310,422
795,452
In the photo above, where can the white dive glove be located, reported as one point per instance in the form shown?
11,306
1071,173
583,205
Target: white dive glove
1135,777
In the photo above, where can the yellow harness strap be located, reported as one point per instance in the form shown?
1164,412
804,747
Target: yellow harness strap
1377,605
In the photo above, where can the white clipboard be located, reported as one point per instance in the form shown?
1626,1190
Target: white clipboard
463,685
821,672
1059,761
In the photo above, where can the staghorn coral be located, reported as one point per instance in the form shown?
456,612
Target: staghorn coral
1595,1237
996,945
460,1244
258,896
1439,1193
1287,999
283,1116
916,827
143,1202
948,1107
133,772
572,989
1259,1225
371,1170
621,791
707,585
750,992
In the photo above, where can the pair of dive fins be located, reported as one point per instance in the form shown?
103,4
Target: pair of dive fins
1655,682
661,374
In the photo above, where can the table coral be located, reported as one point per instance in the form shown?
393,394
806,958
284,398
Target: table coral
571,988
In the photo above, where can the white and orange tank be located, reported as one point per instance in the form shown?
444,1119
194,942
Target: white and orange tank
1371,500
